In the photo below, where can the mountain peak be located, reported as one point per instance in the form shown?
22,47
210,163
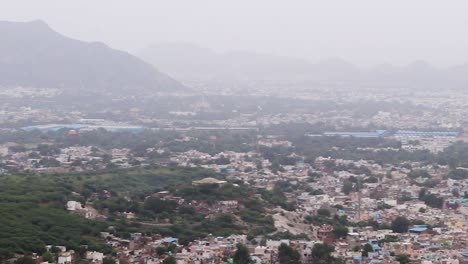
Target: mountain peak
38,23
33,54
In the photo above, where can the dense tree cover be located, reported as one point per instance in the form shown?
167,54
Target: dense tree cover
354,149
458,174
156,205
217,141
253,210
400,224
455,155
33,206
278,155
135,182
206,141
418,173
212,193
288,255
25,260
431,199
347,148
277,197
321,254
187,226
242,256
118,204
29,227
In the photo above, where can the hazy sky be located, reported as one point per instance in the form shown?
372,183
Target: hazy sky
361,31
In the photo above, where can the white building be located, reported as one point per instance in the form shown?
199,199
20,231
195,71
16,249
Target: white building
74,205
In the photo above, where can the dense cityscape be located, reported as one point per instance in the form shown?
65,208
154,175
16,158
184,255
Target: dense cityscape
182,155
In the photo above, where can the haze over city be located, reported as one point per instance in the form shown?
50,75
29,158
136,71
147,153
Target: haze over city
233,132
363,32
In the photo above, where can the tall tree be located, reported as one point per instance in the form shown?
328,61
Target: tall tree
403,259
321,254
366,249
287,255
48,257
340,231
400,225
169,260
242,255
347,187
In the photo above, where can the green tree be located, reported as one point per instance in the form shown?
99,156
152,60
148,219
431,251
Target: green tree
366,249
323,212
242,255
157,205
55,250
321,254
458,174
287,255
347,187
25,260
161,250
169,260
403,259
340,231
108,261
418,173
48,257
400,224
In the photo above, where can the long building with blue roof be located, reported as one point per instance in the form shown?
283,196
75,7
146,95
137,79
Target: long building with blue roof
425,134
57,127
372,134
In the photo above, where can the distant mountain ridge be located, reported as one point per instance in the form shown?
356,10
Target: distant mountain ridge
191,62
34,55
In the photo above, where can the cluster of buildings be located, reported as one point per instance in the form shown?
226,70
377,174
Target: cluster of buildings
437,235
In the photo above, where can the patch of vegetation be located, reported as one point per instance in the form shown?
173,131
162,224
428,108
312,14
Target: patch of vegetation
33,206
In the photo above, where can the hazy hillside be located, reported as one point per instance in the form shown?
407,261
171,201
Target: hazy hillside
32,54
190,62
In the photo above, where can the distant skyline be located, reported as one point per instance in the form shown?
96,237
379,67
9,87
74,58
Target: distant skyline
364,32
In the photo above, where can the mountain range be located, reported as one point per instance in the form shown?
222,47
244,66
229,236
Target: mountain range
34,55
189,62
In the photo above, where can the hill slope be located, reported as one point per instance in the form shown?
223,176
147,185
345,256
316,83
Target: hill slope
190,62
33,55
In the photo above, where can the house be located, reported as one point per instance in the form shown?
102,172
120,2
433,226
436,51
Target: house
65,257
74,205
94,256
208,181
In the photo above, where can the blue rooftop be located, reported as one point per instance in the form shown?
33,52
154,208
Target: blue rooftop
409,133
376,134
417,229
170,240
